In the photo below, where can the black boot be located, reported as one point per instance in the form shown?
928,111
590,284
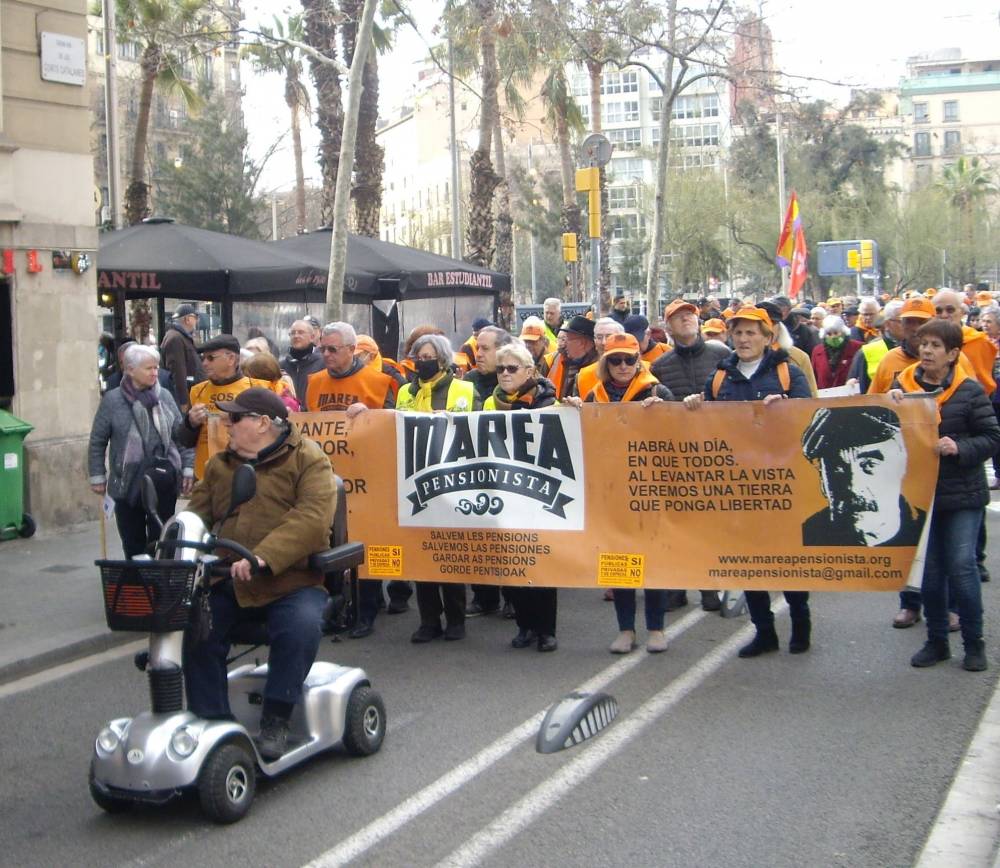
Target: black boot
975,656
766,640
934,651
799,643
676,600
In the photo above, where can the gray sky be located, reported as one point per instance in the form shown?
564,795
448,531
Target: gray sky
858,43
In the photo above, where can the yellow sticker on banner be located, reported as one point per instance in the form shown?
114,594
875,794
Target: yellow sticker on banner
621,570
384,560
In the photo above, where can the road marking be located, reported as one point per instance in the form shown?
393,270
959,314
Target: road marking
450,782
968,824
521,815
47,676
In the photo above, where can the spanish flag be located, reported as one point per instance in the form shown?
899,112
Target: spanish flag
786,242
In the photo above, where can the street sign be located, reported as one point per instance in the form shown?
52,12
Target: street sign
838,258
595,150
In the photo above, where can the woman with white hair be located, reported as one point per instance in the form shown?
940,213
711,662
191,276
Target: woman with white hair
831,359
140,422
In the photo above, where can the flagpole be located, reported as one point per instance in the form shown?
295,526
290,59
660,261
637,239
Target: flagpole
781,191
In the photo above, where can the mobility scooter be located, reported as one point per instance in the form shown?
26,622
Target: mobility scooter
163,752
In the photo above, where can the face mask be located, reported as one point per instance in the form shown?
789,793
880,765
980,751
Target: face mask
834,341
427,369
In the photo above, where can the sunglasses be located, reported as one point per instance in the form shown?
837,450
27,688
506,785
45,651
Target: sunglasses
949,309
508,369
331,349
622,360
236,418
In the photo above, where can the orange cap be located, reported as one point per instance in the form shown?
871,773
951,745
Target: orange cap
532,332
714,326
621,343
930,293
365,344
753,313
984,297
677,305
917,308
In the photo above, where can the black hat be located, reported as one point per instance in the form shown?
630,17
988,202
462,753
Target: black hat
580,325
636,325
256,400
772,309
837,428
480,322
185,310
220,342
852,311
781,301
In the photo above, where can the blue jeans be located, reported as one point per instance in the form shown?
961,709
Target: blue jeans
951,565
759,606
655,602
293,626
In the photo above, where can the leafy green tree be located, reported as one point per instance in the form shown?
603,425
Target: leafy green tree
169,35
212,185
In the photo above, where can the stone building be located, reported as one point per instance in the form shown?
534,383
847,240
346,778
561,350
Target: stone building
48,366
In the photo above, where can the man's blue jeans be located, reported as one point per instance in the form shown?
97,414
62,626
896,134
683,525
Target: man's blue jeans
655,602
293,626
951,564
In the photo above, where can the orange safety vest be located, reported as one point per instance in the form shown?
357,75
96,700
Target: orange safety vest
908,382
643,379
365,386
586,380
896,360
981,353
655,350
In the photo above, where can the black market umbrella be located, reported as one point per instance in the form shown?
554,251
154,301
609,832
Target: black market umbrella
161,258
403,272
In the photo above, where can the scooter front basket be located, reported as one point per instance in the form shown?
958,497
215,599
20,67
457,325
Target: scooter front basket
147,596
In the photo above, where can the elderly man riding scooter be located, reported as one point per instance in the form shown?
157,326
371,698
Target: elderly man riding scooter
287,520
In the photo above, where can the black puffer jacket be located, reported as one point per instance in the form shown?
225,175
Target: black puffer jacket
685,370
967,417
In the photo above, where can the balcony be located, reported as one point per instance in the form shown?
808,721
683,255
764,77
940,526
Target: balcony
929,84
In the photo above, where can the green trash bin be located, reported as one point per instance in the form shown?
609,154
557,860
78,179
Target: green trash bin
14,521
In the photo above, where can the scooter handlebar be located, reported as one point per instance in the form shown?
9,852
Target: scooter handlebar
211,546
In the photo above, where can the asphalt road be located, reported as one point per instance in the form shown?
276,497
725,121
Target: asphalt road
839,757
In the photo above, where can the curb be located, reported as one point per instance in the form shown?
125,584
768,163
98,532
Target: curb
65,654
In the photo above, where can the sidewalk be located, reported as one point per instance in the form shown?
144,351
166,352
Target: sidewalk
52,610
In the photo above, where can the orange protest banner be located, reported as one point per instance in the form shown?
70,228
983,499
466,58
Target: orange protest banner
798,495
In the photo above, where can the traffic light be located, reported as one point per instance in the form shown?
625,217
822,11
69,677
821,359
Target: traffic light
589,181
853,260
569,246
867,255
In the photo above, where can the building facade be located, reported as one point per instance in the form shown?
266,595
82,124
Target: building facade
48,372
950,106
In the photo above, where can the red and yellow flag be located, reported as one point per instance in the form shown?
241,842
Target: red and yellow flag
792,251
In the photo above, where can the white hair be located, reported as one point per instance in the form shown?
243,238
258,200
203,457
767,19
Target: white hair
869,302
551,302
136,354
610,322
833,323
516,350
892,309
345,330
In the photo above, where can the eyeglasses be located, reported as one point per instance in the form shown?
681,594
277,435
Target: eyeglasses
622,360
236,418
508,369
332,349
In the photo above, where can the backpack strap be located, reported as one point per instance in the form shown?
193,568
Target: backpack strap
717,381
784,376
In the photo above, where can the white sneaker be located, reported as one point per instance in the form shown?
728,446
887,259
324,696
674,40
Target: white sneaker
624,642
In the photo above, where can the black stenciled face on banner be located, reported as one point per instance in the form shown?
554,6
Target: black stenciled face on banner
861,459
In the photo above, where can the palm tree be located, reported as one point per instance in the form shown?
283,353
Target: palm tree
164,30
320,21
274,54
564,116
966,183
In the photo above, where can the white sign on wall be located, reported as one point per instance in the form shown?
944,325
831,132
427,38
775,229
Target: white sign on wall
64,59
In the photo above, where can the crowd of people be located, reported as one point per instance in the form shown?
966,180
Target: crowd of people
154,420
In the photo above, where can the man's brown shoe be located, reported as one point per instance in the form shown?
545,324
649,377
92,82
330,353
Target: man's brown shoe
905,618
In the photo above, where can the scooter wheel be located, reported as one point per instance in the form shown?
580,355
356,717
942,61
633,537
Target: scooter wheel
364,728
28,526
227,783
108,804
